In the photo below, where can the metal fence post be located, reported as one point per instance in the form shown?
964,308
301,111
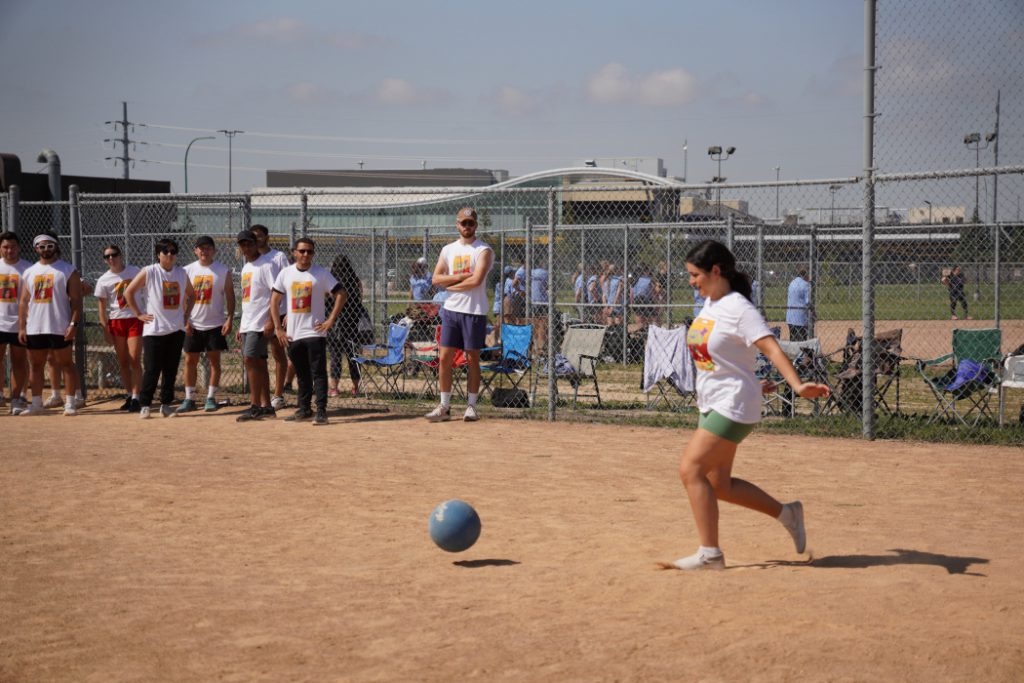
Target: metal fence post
304,214
501,281
384,274
868,236
426,242
126,228
625,295
812,255
668,275
76,261
759,268
730,234
246,212
13,208
373,276
551,305
996,274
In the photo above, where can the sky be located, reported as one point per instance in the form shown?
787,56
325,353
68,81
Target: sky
523,86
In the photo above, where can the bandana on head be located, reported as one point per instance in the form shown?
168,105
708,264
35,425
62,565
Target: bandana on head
43,239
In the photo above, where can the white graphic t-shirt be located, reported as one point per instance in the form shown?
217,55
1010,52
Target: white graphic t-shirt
165,295
49,306
721,342
257,281
10,291
462,258
281,262
110,287
208,282
304,292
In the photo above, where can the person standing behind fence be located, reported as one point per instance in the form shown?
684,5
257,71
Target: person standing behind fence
121,329
353,327
798,306
954,282
614,296
462,268
419,280
169,298
12,266
281,362
641,296
724,341
304,287
256,328
49,312
212,316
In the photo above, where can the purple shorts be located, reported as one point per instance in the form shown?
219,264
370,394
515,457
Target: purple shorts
463,330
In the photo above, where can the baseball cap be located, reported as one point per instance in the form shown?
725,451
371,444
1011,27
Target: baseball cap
246,235
205,241
509,270
422,261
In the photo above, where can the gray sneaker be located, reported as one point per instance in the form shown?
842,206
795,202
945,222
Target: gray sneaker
144,412
700,562
439,414
187,406
471,414
18,406
166,410
796,526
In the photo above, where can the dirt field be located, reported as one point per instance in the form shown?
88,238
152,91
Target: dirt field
198,549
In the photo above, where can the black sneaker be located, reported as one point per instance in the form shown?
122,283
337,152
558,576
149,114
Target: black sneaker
127,405
135,407
299,415
254,413
268,411
321,417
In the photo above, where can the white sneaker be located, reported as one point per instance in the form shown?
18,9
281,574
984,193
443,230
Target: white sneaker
277,403
79,402
32,410
166,410
471,414
700,562
55,401
70,410
796,525
439,414
18,406
144,413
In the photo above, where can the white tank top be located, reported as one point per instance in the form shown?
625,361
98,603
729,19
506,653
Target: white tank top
10,292
165,294
462,258
208,281
49,306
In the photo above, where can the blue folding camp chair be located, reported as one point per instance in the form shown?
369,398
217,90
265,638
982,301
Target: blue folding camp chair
384,373
514,363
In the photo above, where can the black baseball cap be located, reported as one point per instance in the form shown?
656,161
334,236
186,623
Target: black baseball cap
246,236
205,241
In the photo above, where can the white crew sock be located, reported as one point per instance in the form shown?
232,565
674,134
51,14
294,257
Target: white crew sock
472,399
709,552
211,392
446,399
37,401
188,393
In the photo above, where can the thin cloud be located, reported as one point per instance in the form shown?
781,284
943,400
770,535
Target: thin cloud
309,93
614,84
292,32
398,91
353,40
513,101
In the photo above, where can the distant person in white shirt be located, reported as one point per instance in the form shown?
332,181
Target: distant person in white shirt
208,328
121,329
169,297
724,341
281,362
462,270
256,328
49,312
303,287
11,268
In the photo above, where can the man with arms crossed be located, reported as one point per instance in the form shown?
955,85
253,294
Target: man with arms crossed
49,312
281,362
11,268
304,286
256,328
462,269
209,326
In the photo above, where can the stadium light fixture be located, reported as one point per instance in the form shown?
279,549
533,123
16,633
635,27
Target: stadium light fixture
717,154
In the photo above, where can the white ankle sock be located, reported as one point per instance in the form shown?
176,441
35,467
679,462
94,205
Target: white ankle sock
472,399
709,551
211,392
446,399
188,393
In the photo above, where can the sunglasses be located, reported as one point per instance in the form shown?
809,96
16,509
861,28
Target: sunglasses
468,223
46,246
169,252
110,256
303,251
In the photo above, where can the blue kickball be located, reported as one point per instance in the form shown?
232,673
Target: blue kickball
454,526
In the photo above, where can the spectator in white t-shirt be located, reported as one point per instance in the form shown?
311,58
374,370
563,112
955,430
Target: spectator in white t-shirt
11,268
121,329
724,341
169,297
282,366
462,270
303,287
207,330
256,328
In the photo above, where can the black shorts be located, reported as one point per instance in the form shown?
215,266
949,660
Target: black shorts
39,342
10,338
205,340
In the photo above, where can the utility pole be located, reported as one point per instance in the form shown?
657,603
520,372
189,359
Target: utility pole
230,136
123,141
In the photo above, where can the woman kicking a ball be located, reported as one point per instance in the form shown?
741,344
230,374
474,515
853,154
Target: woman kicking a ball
724,341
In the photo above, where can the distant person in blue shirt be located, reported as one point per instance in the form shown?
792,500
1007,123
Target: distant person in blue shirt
538,285
698,303
616,295
798,306
642,296
579,294
420,280
441,296
500,287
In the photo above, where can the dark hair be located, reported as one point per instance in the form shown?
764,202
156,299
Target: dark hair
110,246
345,274
9,236
163,245
259,228
710,253
304,240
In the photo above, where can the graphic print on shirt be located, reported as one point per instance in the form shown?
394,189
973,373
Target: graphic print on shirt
246,287
462,264
8,288
119,293
42,289
302,297
172,295
697,341
203,284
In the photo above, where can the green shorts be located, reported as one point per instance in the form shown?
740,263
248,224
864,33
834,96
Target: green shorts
719,425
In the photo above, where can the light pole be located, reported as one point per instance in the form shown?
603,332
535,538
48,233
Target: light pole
929,211
230,135
973,141
777,169
717,154
194,140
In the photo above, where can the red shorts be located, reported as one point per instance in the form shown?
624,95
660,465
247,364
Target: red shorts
126,327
